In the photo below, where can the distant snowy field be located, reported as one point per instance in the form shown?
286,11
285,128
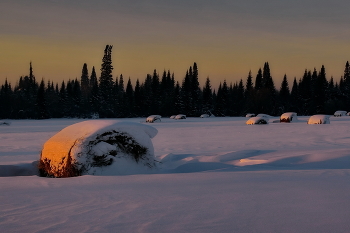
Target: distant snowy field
215,175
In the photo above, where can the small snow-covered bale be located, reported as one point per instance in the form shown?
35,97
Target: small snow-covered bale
173,117
250,115
319,119
340,113
288,117
180,116
204,116
98,147
257,121
153,118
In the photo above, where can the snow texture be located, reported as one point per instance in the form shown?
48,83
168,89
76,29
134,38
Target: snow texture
97,147
250,115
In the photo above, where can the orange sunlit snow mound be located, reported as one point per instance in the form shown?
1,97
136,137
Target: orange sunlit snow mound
98,147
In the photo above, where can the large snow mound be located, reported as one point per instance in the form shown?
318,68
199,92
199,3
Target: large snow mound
99,147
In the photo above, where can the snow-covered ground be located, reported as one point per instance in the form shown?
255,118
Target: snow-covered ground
215,175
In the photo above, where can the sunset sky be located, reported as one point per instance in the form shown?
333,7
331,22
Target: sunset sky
226,38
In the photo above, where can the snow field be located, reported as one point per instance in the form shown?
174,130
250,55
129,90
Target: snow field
215,175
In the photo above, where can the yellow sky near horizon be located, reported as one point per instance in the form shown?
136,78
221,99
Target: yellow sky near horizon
59,37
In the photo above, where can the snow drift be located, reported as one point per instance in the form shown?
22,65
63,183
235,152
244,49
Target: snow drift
98,147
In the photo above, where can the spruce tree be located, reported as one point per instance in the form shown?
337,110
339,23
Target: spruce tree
120,99
77,101
294,97
186,98
240,98
129,99
207,97
306,94
249,95
70,99
106,84
138,99
155,98
320,89
85,92
6,100
346,84
195,91
41,102
177,99
284,95
222,100
84,81
266,76
259,80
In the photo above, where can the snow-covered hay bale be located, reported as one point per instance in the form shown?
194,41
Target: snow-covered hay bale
250,115
288,117
204,116
257,121
340,113
153,118
319,119
180,116
172,117
99,147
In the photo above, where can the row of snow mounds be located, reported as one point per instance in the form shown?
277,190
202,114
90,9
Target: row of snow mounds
288,117
98,147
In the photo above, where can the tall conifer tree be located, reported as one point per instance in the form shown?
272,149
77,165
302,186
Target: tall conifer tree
106,84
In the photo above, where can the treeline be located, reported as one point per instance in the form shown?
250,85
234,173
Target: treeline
108,97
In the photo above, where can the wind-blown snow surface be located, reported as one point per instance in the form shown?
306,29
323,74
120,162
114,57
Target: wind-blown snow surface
215,175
